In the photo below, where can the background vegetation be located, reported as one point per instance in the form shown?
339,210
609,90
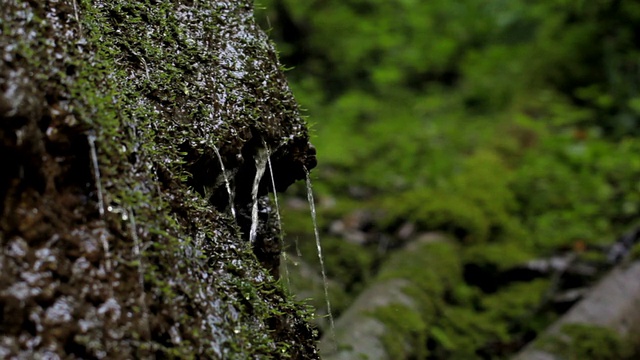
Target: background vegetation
510,125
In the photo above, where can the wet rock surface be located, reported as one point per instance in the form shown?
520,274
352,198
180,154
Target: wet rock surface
115,224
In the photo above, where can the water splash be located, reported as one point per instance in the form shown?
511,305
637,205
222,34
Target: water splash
261,164
278,219
312,206
96,171
226,180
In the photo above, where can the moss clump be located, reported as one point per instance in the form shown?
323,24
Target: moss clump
432,270
405,332
579,341
431,267
475,205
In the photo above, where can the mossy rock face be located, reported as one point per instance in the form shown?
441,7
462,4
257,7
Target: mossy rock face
117,235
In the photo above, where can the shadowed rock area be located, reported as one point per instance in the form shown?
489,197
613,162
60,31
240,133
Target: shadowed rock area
117,235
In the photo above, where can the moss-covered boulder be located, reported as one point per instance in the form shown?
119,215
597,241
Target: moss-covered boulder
603,325
131,133
394,316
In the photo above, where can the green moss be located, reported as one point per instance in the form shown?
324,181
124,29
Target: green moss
498,256
635,252
515,302
475,204
580,341
405,331
432,270
460,332
431,267
457,321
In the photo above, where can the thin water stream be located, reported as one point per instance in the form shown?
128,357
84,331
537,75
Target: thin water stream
261,164
91,137
96,171
226,180
138,256
312,206
278,219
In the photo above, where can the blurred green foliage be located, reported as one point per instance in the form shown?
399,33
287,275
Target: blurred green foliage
512,125
579,341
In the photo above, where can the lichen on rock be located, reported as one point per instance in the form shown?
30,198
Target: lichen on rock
140,256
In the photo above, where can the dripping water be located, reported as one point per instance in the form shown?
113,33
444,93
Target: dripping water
98,180
96,172
278,219
312,206
226,180
138,255
75,11
261,163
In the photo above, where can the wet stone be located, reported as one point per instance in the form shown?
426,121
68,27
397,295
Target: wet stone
36,279
110,309
21,291
17,248
36,318
30,343
90,247
80,267
46,259
60,313
50,354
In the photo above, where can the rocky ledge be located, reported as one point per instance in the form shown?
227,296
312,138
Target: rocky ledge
132,134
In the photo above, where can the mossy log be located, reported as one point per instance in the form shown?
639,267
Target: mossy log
599,326
391,319
118,239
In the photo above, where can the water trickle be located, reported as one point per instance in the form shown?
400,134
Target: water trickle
261,164
138,255
75,11
226,180
107,252
96,171
278,219
312,206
